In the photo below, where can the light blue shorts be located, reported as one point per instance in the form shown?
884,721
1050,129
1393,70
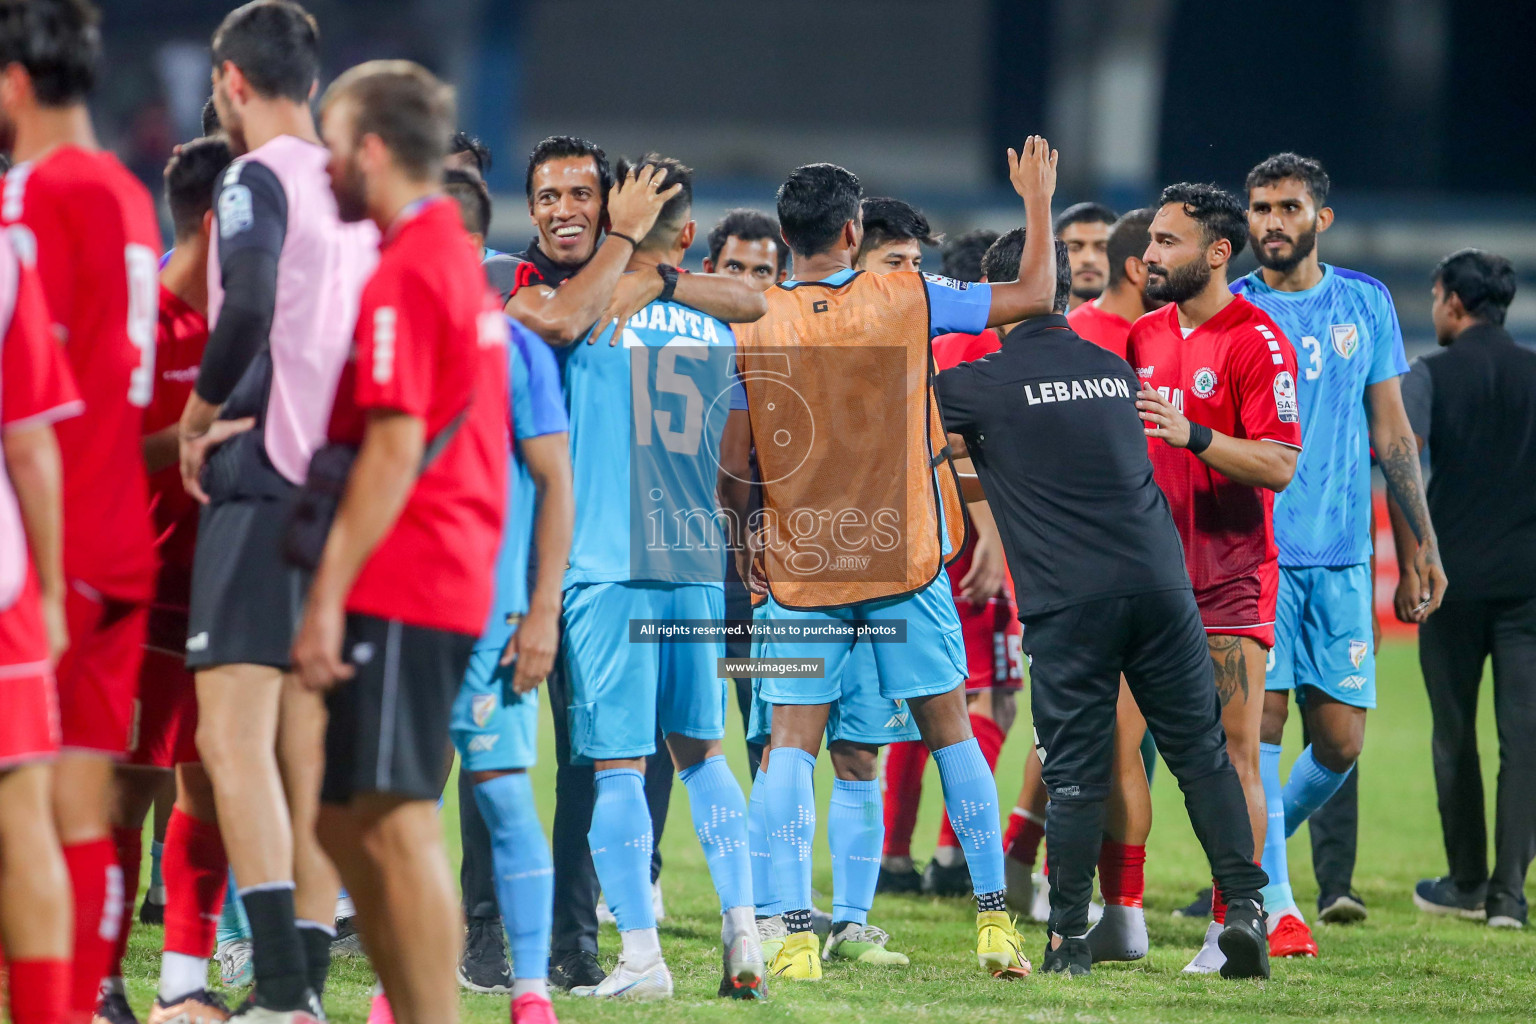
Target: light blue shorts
1323,634
860,714
930,661
621,691
494,729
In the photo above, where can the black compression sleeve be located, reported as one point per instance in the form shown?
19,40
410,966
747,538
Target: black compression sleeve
245,319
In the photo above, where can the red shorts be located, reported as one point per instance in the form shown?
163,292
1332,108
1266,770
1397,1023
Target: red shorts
99,674
29,704
165,732
994,638
1244,606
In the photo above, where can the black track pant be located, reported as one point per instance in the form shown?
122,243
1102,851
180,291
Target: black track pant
1454,645
1076,656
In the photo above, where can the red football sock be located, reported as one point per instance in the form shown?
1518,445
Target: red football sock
1024,835
989,737
97,882
196,872
1218,905
39,991
129,843
904,765
1122,875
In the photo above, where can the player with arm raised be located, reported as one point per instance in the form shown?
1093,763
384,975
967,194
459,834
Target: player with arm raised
835,346
1223,429
1350,354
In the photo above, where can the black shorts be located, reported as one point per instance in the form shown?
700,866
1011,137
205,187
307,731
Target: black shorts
246,599
388,730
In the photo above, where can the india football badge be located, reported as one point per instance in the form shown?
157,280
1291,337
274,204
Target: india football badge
1346,338
1358,649
483,705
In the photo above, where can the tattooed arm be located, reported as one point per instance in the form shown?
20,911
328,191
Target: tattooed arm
1397,452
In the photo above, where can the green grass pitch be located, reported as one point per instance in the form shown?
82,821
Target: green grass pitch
1400,965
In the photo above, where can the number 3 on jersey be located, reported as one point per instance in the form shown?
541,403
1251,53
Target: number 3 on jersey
1314,350
143,310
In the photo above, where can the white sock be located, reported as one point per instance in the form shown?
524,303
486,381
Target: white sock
642,947
523,986
345,907
180,976
949,856
737,921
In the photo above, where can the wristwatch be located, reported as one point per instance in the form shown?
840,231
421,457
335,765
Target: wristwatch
668,281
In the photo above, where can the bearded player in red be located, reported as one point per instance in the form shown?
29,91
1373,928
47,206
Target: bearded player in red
90,229
1219,400
992,634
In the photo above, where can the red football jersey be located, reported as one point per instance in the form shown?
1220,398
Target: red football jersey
954,349
1100,326
90,229
431,339
1235,373
179,342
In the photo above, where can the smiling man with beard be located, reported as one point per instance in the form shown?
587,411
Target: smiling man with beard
1218,394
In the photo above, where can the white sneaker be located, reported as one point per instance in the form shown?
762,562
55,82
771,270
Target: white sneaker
643,985
744,973
1210,958
771,933
1505,921
1040,903
1019,886
1120,936
235,967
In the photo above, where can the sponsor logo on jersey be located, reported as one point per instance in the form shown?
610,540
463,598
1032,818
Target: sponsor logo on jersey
1285,397
1145,372
946,282
481,707
1205,382
1346,339
1353,684
484,744
1358,649
235,213
897,721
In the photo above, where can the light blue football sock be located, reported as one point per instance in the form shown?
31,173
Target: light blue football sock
856,832
156,850
970,797
1308,787
1276,864
790,802
233,925
720,821
525,874
620,839
765,889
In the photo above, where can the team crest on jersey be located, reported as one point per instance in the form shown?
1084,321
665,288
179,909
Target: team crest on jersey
1285,397
234,210
481,707
947,282
1346,339
1358,649
1205,382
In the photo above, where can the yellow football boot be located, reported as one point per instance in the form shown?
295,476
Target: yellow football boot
799,959
999,949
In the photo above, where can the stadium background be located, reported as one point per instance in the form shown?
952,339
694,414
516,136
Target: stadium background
1414,106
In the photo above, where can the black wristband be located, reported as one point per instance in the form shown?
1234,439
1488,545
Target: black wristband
1199,437
668,281
619,234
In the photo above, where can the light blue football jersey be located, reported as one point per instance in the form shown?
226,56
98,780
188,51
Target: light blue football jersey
646,418
1346,336
538,409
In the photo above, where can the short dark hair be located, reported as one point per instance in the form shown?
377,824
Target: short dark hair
1291,165
674,213
891,220
463,142
1129,237
190,177
1001,265
468,190
1217,211
749,226
276,46
962,254
814,203
559,147
1082,213
211,124
1483,281
405,106
57,41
